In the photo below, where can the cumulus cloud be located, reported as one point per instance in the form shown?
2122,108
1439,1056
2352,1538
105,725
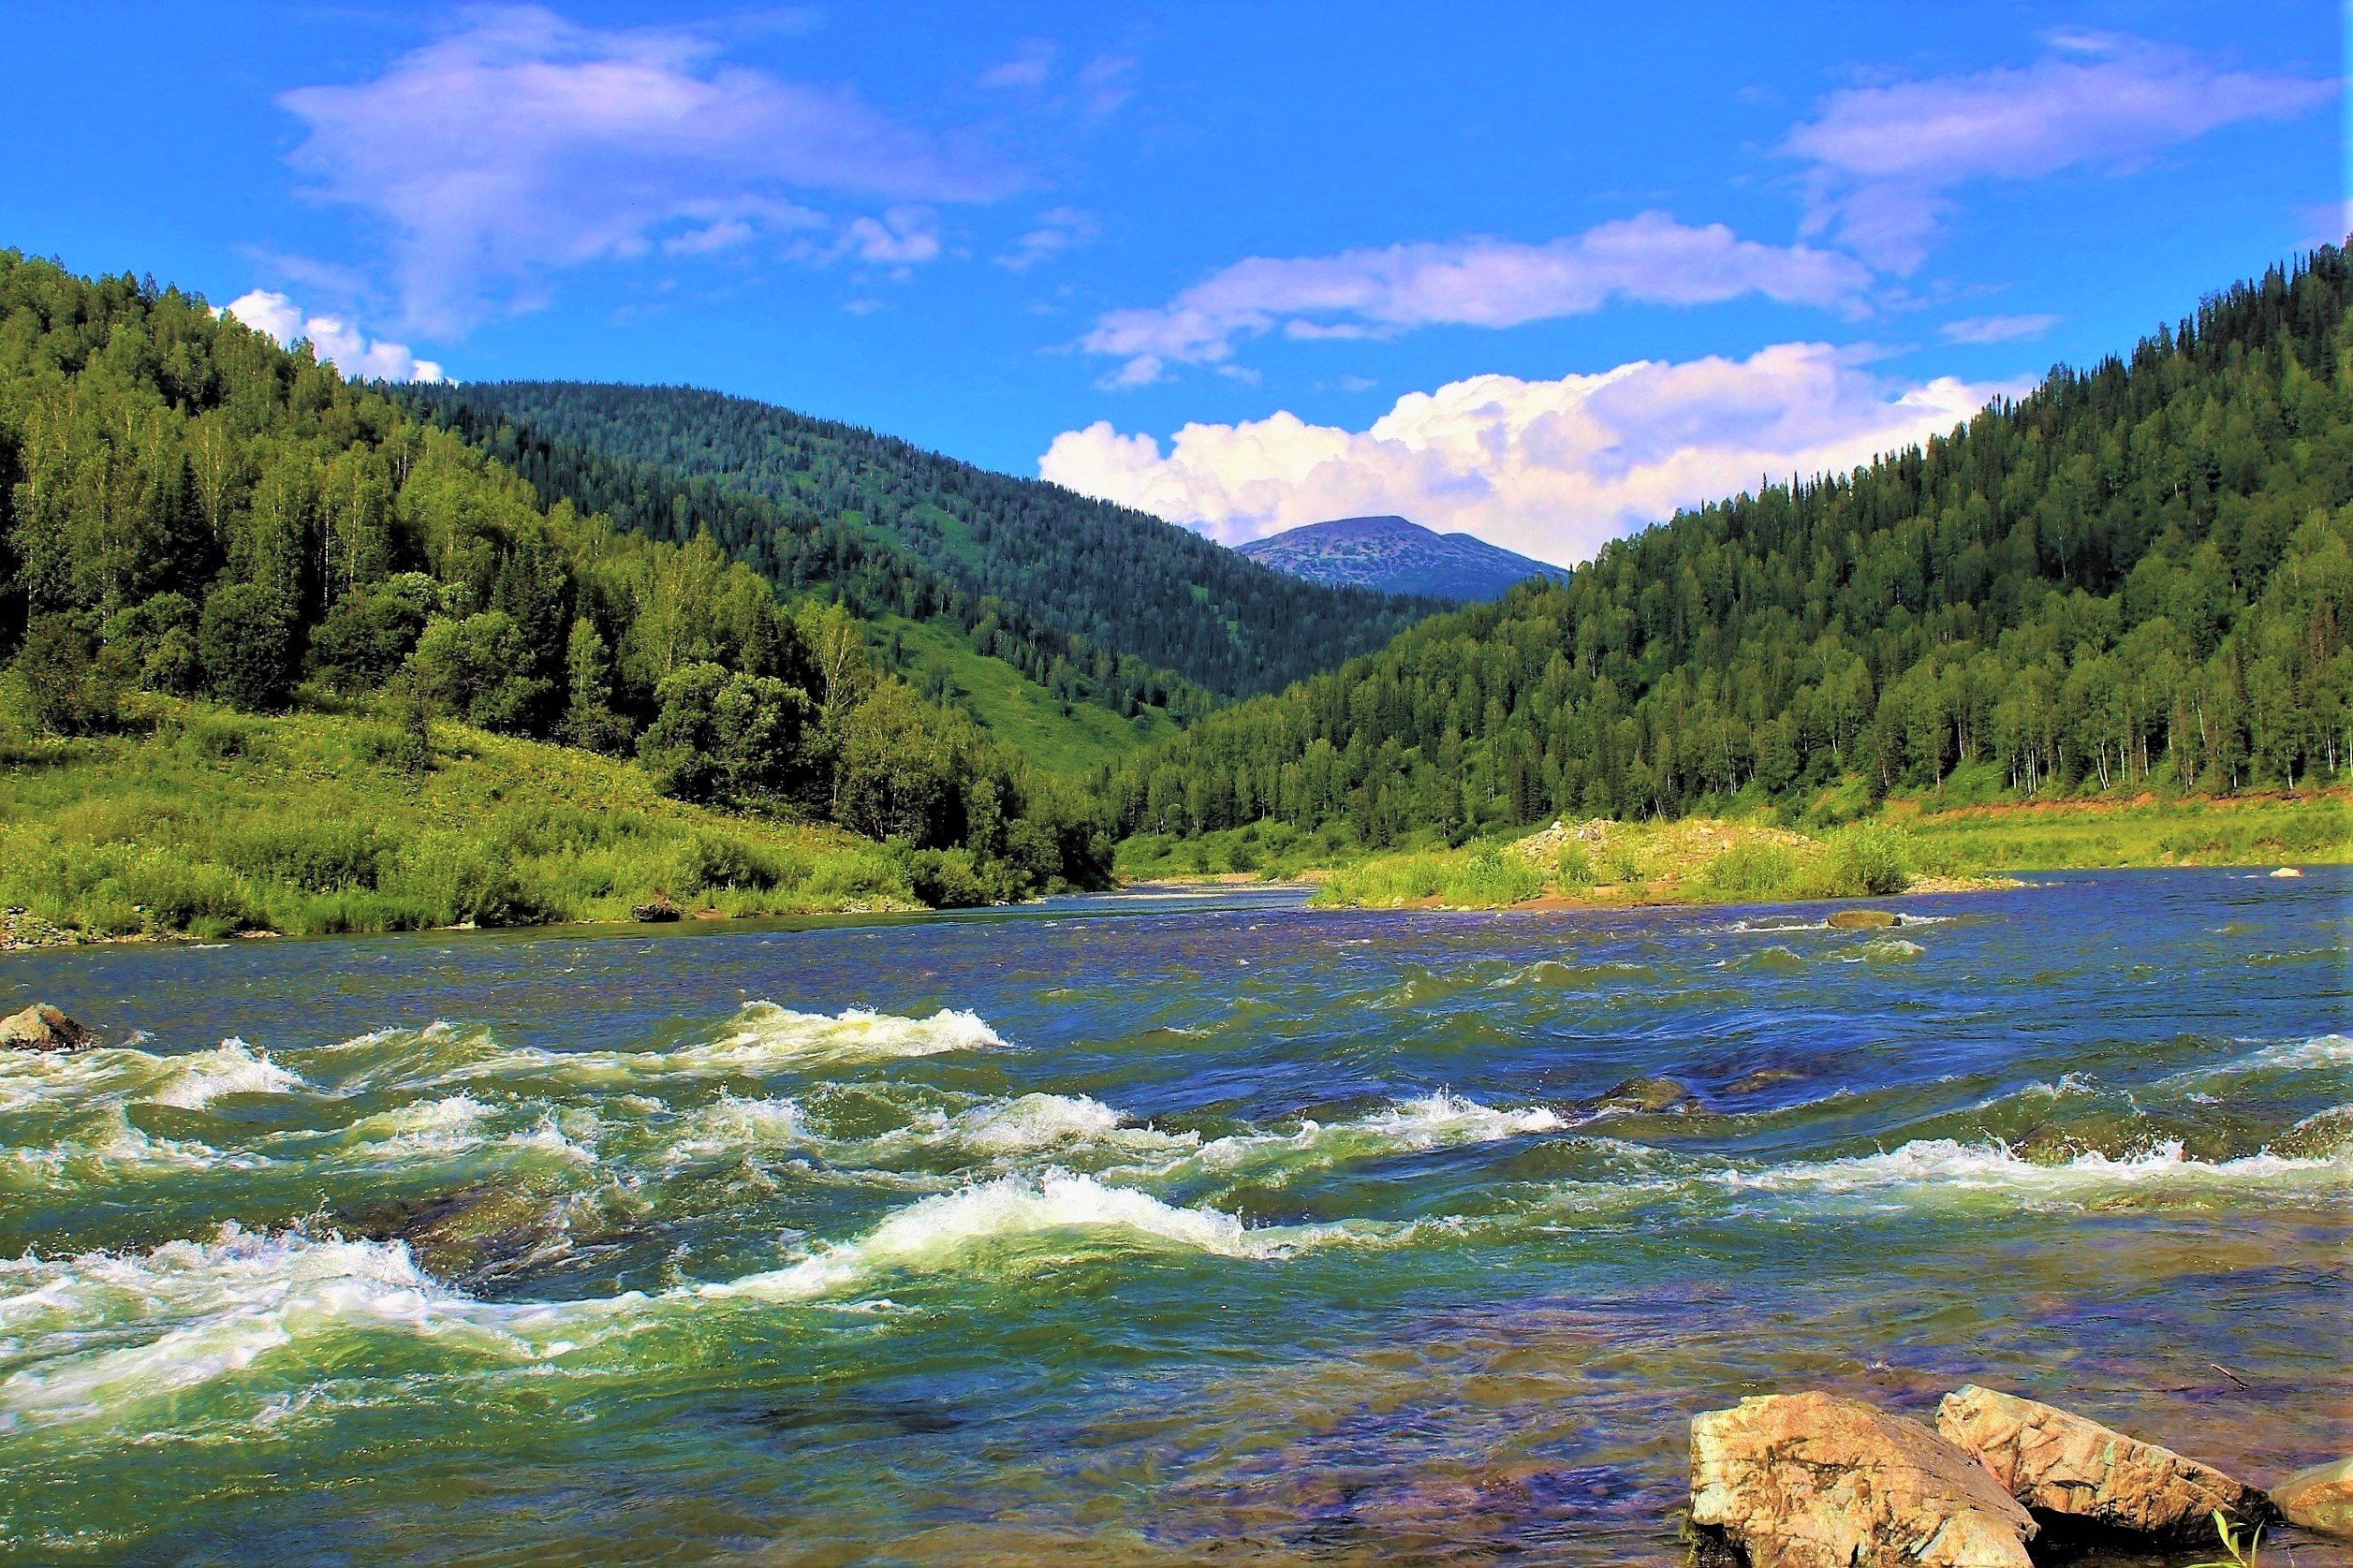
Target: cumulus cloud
1884,159
334,340
521,143
901,236
1478,281
1550,468
1059,229
1997,329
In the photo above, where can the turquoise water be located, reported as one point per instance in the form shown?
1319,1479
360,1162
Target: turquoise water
1147,1230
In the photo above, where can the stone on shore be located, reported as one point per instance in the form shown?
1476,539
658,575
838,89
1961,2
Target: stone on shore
1863,920
2319,1498
2081,1477
1815,1481
42,1027
656,911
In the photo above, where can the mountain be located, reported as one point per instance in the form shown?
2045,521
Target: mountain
1392,555
2138,577
1127,582
194,519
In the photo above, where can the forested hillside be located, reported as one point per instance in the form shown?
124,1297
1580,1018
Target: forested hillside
1124,582
2139,575
799,550
189,511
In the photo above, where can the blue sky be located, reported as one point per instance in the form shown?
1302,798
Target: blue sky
1542,272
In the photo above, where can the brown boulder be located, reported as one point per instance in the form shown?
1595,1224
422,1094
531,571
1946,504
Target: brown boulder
1815,1481
1863,920
2319,1498
42,1027
2081,1477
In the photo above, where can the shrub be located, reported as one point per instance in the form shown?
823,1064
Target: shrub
69,695
1871,858
246,643
1574,866
1754,871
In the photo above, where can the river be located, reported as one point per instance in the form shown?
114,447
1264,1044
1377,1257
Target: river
1158,1230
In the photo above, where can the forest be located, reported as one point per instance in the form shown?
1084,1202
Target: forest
187,510
2137,578
1118,578
801,552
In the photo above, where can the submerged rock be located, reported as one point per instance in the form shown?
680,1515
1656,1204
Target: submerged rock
42,1027
1654,1095
2080,1477
1865,919
1815,1481
484,1230
2287,871
2319,1498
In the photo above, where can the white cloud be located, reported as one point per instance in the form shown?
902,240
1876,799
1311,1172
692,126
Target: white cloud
1884,159
1476,282
521,144
1028,66
334,340
1059,229
901,236
1997,329
1550,468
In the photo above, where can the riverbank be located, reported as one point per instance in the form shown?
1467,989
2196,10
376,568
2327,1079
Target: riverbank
1905,849
218,824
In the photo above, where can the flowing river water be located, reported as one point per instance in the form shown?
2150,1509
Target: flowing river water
1147,1231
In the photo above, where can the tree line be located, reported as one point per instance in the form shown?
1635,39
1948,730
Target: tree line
2138,575
189,509
1118,578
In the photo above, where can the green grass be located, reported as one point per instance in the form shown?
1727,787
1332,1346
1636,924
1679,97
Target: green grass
219,822
2252,830
1066,737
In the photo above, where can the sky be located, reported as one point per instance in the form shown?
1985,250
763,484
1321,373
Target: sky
1540,273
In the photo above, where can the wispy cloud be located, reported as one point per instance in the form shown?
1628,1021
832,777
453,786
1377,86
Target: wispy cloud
1058,229
1997,329
1028,66
1885,159
1552,468
332,339
521,143
1478,281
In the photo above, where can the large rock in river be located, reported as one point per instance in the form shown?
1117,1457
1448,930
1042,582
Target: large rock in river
42,1027
1863,920
2080,1477
1815,1481
2319,1498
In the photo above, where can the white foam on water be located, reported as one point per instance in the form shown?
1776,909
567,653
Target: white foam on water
101,1333
231,1067
119,1075
761,1038
945,1233
1944,1168
108,1150
1437,1121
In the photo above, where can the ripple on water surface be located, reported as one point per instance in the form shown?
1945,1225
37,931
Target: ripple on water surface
1417,1239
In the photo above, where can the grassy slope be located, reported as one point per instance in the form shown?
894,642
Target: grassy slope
221,822
1072,738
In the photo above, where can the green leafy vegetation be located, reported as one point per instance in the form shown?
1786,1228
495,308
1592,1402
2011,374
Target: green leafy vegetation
808,500
203,821
187,510
2138,579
